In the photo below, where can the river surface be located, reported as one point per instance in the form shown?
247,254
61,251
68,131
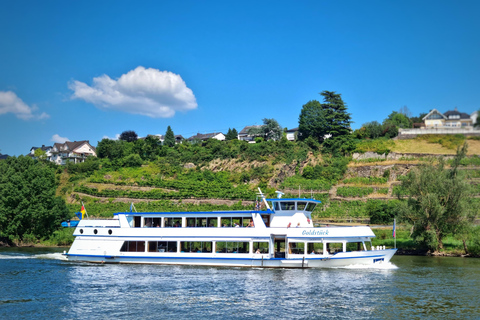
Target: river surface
39,284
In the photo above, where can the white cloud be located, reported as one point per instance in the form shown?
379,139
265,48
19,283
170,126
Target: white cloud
117,136
58,139
149,92
10,103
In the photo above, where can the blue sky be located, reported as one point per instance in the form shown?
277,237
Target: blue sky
86,70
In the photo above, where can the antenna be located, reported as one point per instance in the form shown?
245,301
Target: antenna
279,194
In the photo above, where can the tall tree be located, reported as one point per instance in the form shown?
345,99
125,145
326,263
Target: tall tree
321,120
232,134
28,205
269,130
128,136
169,140
398,119
439,201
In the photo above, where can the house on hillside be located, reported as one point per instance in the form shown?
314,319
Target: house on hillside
47,149
292,134
76,152
203,137
449,119
243,135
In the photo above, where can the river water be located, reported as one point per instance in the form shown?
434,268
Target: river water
39,284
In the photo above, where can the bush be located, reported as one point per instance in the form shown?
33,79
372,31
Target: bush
381,212
133,160
354,191
380,146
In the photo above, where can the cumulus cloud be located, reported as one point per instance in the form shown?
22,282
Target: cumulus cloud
117,136
11,103
58,139
149,92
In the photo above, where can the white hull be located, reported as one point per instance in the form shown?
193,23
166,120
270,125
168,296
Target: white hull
341,259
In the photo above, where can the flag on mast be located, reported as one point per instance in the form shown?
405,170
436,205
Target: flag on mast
83,211
393,231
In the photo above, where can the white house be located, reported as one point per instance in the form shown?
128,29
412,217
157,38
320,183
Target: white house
291,134
76,151
203,137
243,135
47,149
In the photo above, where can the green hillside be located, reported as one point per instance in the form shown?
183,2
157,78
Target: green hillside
222,174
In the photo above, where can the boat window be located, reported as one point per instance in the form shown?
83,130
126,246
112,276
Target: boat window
290,205
266,220
136,221
162,246
197,222
296,248
173,222
368,245
276,206
301,205
311,206
133,246
152,222
247,222
260,246
196,247
212,222
333,248
315,247
354,246
234,222
232,247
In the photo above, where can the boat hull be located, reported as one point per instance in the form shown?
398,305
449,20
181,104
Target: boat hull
311,261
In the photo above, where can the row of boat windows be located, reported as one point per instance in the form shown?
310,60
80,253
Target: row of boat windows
290,205
195,246
237,247
212,222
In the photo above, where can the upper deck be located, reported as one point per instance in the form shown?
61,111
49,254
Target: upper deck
275,213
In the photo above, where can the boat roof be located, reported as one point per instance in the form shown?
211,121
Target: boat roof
294,199
198,212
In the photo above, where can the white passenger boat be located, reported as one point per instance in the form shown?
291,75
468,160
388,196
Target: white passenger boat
281,235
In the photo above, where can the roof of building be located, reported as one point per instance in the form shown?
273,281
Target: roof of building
245,130
292,130
204,136
455,112
72,145
43,147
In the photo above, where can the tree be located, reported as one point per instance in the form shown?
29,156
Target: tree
321,120
28,205
418,119
373,129
169,140
269,130
397,119
477,121
439,201
232,134
128,136
110,149
40,154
